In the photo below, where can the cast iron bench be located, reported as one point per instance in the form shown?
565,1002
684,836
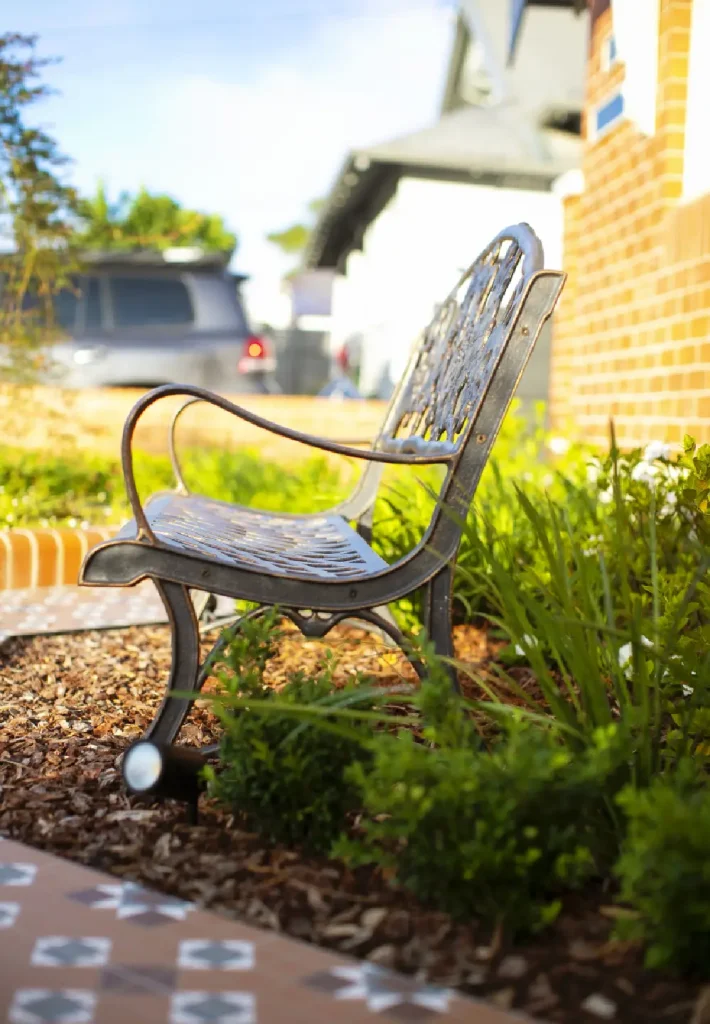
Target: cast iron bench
318,569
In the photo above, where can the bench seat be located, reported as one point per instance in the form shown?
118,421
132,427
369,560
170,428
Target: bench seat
311,547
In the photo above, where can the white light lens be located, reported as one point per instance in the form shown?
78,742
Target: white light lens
84,356
142,766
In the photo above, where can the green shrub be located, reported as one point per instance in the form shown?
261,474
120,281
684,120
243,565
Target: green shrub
497,834
79,487
607,603
664,870
284,774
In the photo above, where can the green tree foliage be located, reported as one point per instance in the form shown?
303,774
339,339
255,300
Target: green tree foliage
148,221
294,239
37,214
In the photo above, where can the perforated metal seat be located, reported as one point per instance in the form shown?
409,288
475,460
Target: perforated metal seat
305,547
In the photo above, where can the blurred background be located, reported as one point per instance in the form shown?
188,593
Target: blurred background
271,200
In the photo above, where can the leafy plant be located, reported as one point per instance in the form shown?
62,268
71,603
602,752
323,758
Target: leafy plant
664,869
611,626
73,487
287,778
498,834
37,211
148,221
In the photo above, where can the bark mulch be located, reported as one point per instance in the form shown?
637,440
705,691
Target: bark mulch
70,704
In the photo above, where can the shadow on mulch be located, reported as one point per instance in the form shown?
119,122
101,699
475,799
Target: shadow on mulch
70,704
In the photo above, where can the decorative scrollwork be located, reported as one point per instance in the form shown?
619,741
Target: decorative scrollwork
457,355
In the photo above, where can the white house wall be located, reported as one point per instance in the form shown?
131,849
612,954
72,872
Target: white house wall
412,256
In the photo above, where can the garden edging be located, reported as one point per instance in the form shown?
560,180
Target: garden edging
45,557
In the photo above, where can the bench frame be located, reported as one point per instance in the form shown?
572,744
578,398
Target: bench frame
447,410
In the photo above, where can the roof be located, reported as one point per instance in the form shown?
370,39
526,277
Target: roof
497,123
517,17
476,145
188,257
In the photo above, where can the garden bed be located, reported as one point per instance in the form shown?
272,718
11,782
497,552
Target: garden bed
70,704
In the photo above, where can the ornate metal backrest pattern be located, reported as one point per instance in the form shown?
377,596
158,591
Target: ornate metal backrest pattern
457,355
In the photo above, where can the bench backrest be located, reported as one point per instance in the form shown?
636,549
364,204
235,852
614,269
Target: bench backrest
463,372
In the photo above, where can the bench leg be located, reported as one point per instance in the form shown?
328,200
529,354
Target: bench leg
438,601
185,666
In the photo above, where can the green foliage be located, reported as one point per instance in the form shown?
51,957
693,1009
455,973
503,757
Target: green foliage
664,870
592,569
286,779
148,221
72,487
496,834
294,239
37,212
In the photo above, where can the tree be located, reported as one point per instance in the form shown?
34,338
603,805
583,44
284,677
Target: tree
293,240
148,221
37,214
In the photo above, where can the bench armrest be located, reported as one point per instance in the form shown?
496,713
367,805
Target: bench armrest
444,455
172,444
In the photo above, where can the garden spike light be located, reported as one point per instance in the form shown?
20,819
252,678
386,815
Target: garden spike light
164,771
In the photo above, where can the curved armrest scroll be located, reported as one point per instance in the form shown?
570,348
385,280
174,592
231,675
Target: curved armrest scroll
196,394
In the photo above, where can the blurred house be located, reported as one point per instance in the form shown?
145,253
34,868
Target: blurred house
632,337
404,218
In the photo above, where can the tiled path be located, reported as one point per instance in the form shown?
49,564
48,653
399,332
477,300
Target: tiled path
65,609
80,947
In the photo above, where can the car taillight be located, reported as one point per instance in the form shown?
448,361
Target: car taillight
255,348
256,355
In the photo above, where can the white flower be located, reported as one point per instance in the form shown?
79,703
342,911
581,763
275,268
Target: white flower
594,541
657,450
558,445
688,691
669,505
644,472
528,641
593,471
625,654
674,472
606,497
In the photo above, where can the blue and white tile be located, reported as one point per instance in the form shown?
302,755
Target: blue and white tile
17,874
9,913
212,1008
52,1006
216,955
62,951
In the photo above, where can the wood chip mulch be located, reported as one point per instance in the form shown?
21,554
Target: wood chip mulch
70,704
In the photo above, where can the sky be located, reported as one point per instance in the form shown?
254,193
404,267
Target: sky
244,109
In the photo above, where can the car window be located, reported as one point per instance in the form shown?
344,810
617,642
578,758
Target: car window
64,305
149,302
92,304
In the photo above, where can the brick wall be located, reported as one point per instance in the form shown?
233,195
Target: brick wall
632,336
45,558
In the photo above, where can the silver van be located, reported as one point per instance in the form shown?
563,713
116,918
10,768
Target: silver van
144,319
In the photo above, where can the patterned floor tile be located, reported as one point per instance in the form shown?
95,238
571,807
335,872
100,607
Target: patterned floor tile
60,951
79,947
138,979
66,609
382,990
17,874
215,1008
133,903
225,955
149,908
9,912
52,1006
